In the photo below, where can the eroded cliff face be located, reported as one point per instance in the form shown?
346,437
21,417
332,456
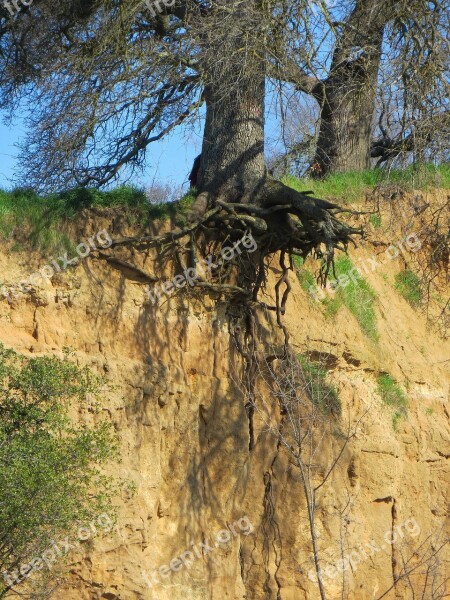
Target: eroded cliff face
179,412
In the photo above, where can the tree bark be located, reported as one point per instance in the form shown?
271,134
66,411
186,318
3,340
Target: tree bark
349,92
232,163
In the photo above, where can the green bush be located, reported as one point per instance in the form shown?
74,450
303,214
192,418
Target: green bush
408,285
51,478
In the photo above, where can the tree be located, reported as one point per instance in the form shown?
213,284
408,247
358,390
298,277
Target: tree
51,480
412,106
347,95
362,57
103,80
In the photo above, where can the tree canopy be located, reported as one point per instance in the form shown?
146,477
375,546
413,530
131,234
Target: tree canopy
102,80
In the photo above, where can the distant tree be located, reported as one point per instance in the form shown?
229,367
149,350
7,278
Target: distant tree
412,116
51,480
377,71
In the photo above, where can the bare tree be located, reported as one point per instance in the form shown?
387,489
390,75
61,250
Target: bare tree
292,399
356,56
422,569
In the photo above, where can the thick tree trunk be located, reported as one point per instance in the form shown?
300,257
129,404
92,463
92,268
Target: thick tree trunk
346,120
232,162
349,93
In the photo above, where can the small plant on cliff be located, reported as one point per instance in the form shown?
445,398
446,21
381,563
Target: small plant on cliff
322,394
392,395
375,220
408,285
51,478
305,277
357,295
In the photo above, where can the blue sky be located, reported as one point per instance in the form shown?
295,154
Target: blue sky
8,137
169,161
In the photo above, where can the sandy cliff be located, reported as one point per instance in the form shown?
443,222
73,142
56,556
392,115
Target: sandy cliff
184,435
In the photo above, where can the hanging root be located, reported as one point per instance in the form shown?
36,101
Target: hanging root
283,220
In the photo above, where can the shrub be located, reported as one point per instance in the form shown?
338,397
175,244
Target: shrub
51,478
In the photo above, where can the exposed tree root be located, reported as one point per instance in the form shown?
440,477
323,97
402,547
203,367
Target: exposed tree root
281,221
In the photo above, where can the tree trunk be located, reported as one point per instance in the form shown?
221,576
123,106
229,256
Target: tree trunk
232,161
349,93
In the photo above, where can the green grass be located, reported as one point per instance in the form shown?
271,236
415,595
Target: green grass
332,306
27,219
322,394
350,186
408,285
375,220
306,278
353,185
357,295
393,396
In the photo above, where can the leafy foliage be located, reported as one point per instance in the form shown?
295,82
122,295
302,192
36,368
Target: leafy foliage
51,479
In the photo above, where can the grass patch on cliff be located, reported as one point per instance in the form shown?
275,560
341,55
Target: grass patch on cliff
32,221
353,185
375,220
407,283
322,394
356,294
393,396
306,278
